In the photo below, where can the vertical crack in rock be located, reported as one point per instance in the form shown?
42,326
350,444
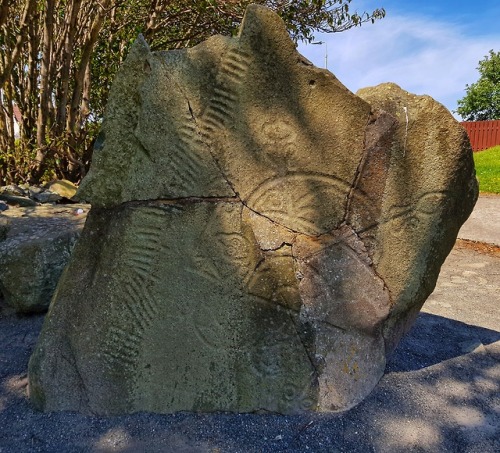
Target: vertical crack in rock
143,149
308,353
82,392
191,110
359,170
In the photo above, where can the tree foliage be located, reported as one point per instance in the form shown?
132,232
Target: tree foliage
59,57
482,99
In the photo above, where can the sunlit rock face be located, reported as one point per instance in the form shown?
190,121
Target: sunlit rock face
260,237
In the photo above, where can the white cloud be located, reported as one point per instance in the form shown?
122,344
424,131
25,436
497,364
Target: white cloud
422,55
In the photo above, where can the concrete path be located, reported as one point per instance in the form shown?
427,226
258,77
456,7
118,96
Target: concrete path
483,224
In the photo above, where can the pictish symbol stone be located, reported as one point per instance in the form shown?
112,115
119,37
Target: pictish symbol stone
260,237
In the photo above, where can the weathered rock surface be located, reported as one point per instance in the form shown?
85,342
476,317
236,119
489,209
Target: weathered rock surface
260,237
63,188
35,246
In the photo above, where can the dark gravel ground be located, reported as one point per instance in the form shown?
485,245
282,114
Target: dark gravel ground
441,392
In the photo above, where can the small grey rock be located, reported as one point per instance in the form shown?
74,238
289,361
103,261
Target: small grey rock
15,200
47,196
12,189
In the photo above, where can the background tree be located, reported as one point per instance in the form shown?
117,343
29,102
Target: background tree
59,57
482,99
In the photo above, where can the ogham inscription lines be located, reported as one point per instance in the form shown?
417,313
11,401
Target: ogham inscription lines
185,159
221,107
195,136
129,348
139,304
193,142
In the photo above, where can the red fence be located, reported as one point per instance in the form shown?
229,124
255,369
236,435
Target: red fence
483,134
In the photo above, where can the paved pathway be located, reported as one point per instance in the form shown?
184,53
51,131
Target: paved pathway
483,224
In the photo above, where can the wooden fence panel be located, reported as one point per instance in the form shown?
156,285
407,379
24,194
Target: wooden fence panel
483,134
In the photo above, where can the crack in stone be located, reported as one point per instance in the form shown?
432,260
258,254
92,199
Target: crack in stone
350,196
208,144
143,148
359,170
202,140
328,323
385,288
277,223
181,201
84,399
190,109
306,350
217,163
279,247
261,261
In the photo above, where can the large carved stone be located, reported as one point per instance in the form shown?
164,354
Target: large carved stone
260,237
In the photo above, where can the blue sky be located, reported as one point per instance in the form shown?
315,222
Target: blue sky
426,47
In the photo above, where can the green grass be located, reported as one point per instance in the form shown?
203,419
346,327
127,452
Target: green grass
488,169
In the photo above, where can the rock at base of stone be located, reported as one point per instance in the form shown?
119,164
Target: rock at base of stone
35,246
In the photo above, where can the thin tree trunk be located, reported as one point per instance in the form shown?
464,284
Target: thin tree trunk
21,38
31,92
10,117
4,133
86,55
4,11
66,64
43,109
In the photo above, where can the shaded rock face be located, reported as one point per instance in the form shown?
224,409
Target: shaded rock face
260,237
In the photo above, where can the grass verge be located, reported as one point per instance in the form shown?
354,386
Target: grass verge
488,169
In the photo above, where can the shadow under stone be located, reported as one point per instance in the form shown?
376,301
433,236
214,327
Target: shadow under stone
434,339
